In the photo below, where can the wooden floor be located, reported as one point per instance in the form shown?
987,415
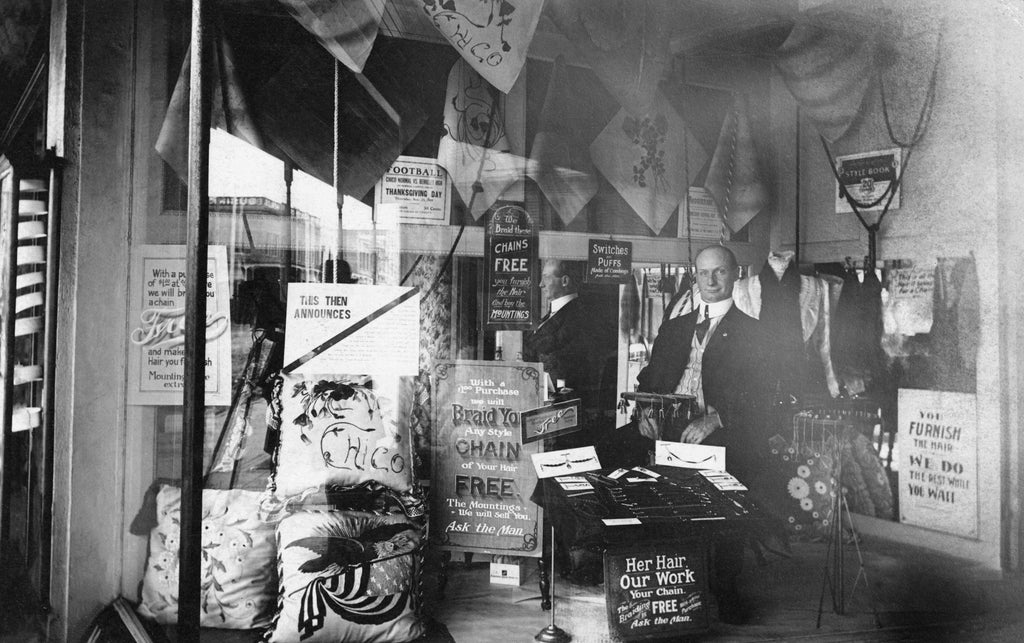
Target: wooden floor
918,595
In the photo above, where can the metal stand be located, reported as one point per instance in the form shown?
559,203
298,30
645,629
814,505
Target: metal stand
552,633
834,573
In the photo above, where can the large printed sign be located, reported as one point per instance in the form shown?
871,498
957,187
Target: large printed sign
938,438
656,592
482,472
156,362
510,251
347,328
417,189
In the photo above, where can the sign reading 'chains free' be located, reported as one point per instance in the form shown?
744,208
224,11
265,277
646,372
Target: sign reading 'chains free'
510,251
482,476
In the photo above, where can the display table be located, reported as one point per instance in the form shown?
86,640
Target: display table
655,531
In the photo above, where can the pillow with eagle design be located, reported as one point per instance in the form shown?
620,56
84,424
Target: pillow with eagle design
337,430
346,576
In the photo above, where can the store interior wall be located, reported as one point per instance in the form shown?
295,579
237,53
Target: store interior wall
1010,249
949,204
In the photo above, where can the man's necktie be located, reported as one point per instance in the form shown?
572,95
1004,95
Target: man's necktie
701,329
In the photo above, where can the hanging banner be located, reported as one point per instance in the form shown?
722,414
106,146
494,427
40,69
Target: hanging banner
938,460
416,190
867,178
482,473
510,252
491,35
347,328
156,358
609,262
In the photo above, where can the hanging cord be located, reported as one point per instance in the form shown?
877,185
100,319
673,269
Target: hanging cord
923,120
336,170
724,216
926,109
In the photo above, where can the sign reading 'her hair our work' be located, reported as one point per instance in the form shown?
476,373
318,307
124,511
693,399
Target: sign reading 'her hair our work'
482,476
656,592
609,262
510,252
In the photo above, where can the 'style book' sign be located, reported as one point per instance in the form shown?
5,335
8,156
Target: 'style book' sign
510,251
868,177
482,474
156,362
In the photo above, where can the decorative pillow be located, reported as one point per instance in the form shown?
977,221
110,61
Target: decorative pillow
804,485
238,566
346,576
337,431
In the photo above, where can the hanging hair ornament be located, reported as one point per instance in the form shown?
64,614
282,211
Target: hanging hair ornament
923,120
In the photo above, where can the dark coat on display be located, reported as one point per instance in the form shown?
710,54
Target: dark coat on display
733,379
574,348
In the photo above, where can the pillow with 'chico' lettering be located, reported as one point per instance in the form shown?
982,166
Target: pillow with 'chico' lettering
335,430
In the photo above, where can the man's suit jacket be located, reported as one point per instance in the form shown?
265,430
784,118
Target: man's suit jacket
573,348
732,374
565,343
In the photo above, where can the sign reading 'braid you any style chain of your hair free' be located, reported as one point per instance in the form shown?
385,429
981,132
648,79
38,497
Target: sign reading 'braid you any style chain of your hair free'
482,473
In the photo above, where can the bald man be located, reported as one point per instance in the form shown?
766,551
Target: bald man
714,353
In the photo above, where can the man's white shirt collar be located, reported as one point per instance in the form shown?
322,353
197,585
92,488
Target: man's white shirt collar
559,302
715,309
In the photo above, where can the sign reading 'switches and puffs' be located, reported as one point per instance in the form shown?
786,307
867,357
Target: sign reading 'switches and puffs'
510,251
482,473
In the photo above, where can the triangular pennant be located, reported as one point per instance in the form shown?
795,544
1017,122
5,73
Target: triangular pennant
734,177
346,28
491,35
625,43
476,148
231,111
559,162
644,158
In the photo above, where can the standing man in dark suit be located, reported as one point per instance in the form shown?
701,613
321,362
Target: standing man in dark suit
573,347
714,354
